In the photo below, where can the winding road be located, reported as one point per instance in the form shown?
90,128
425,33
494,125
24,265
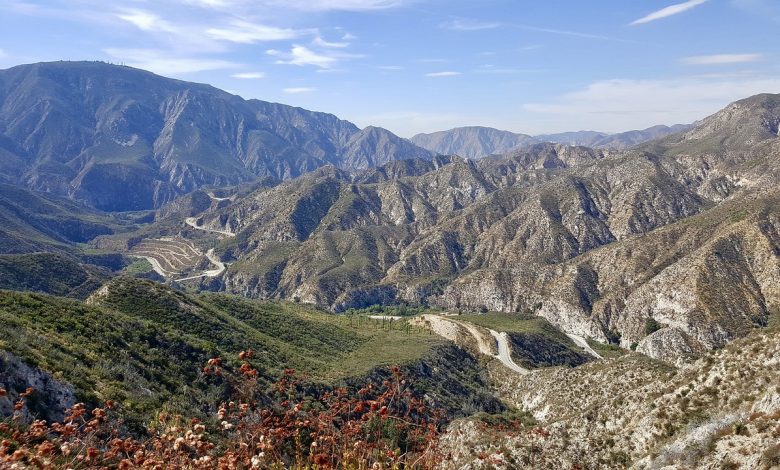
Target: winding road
155,264
210,273
448,329
220,266
193,222
581,342
504,355
218,199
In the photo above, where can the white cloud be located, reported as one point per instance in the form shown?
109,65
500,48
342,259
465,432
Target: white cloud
345,5
301,5
767,9
212,3
564,32
443,74
391,67
669,11
249,75
531,47
318,41
468,25
619,105
147,21
298,90
244,32
160,62
301,56
492,69
720,59
3,54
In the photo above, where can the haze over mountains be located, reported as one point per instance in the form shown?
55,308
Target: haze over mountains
479,142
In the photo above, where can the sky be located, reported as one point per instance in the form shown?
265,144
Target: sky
411,66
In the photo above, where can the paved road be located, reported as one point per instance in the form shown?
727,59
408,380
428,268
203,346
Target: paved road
581,342
193,222
448,328
218,199
504,354
220,268
155,264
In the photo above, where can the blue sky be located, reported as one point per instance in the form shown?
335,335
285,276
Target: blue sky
413,66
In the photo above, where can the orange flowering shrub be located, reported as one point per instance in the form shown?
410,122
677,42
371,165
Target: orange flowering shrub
377,426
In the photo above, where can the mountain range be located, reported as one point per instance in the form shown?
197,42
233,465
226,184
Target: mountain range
562,301
480,142
681,234
124,139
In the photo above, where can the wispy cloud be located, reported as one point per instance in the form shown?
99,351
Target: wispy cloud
492,69
443,74
244,32
301,55
318,41
344,5
391,67
720,59
616,105
565,32
767,9
146,21
301,5
162,63
298,90
249,75
671,10
464,24
3,54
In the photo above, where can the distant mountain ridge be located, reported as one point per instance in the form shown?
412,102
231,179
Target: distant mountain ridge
619,141
480,142
472,142
120,138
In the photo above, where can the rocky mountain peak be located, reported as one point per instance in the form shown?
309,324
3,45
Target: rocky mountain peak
739,125
70,128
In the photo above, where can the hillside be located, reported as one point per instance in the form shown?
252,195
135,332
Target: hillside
124,139
57,274
31,221
720,411
142,345
600,243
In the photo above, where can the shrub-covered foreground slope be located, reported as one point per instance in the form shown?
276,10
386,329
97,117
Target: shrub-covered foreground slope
143,345
57,274
721,411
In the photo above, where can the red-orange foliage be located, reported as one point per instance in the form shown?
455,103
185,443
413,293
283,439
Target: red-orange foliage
374,427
